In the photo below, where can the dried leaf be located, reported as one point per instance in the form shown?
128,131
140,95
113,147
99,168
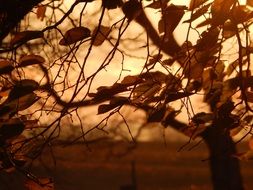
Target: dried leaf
114,103
131,80
157,114
74,35
206,22
173,96
240,14
250,143
158,4
30,60
249,2
220,11
11,107
4,93
6,66
170,19
154,59
22,88
195,4
202,117
208,39
23,37
41,12
198,13
132,9
41,184
245,156
11,128
100,35
111,4
248,119
249,95
235,131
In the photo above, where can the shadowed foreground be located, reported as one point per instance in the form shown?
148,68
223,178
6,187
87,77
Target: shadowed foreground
109,166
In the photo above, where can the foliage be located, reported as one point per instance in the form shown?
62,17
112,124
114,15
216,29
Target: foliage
42,71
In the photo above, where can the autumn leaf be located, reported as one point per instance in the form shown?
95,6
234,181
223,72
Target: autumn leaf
6,66
25,36
39,184
173,96
12,106
198,13
202,117
74,35
100,34
220,11
114,103
158,4
240,14
170,19
157,114
249,2
205,23
229,30
30,60
154,59
131,80
235,131
132,9
41,12
208,39
245,156
195,4
111,4
249,96
21,88
11,128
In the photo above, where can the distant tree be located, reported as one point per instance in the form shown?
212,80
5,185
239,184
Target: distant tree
46,49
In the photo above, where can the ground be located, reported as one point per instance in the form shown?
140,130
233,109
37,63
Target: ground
111,165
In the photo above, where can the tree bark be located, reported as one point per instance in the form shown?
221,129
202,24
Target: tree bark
224,166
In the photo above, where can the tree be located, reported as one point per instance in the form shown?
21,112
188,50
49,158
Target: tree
172,72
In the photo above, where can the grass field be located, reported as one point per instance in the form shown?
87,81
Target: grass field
110,165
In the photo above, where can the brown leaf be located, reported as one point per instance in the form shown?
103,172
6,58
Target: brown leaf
249,95
196,3
245,156
154,59
6,66
74,35
111,4
170,19
208,39
198,13
177,95
41,184
158,4
114,103
157,114
25,36
100,35
131,80
250,3
30,60
220,11
11,128
250,143
240,14
41,11
206,22
235,131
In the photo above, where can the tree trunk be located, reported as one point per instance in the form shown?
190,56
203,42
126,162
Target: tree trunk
224,166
